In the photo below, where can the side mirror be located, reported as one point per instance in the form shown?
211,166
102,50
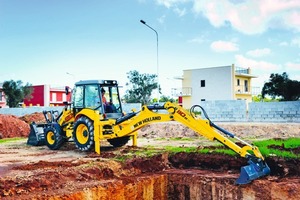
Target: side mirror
67,90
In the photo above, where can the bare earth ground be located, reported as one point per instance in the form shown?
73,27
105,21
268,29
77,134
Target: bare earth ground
28,172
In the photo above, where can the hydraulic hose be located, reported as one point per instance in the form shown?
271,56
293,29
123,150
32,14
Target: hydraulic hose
210,122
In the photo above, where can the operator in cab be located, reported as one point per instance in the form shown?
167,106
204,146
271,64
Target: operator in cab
107,106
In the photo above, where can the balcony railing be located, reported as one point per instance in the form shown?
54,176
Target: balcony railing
185,91
240,70
242,89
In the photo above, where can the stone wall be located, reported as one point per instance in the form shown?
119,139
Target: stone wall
288,111
227,110
237,110
218,111
29,110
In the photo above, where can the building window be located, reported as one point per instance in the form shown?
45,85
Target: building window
246,85
54,97
238,82
202,99
202,83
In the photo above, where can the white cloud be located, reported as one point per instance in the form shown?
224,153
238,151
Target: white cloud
180,12
293,20
161,20
198,40
296,41
174,4
259,52
171,3
292,66
294,77
224,46
261,69
283,44
254,64
251,17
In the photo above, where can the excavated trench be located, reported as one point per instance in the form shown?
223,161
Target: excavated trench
37,173
164,176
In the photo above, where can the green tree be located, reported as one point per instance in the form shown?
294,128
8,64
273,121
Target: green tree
259,98
15,92
164,98
140,87
283,87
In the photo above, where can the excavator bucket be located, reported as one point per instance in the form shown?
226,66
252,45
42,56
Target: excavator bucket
256,168
36,136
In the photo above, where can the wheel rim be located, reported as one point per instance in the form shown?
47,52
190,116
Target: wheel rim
82,134
50,137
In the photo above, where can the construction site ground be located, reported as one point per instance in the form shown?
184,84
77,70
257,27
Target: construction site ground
31,172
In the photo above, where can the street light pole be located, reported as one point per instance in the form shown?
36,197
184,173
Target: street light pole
143,22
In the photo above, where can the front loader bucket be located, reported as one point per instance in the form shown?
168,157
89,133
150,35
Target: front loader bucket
36,136
256,168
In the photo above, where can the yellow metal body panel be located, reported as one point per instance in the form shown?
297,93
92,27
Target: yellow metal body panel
177,113
144,117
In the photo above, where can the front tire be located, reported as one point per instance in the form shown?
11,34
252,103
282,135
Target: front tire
83,134
53,138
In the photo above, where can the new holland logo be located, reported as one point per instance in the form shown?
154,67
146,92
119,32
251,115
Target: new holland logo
149,119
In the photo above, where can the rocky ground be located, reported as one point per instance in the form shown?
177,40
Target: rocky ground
28,172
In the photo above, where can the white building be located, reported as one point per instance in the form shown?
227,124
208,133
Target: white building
214,83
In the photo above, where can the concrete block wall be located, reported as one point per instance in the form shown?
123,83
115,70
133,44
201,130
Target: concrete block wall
29,110
217,111
288,111
225,110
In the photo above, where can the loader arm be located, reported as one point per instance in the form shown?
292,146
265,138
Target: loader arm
203,127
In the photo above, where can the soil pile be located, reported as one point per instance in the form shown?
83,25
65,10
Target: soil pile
11,126
36,117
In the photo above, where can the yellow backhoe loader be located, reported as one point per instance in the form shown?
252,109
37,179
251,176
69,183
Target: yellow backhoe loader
90,118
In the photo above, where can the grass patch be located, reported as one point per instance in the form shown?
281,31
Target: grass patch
182,139
265,147
221,150
174,149
6,140
287,143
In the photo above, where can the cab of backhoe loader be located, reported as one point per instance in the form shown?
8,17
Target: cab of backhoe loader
101,95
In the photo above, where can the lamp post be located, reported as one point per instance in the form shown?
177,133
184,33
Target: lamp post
143,22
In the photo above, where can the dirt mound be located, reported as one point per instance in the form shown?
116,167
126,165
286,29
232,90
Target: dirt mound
36,117
11,126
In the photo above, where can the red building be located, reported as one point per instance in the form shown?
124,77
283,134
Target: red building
44,95
2,97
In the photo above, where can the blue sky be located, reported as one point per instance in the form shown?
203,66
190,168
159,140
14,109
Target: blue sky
59,42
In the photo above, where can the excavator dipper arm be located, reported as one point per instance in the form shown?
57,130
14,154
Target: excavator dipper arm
256,168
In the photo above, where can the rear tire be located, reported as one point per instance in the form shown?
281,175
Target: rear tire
83,134
53,138
119,142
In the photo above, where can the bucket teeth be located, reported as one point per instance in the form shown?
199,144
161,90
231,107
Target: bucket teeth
35,138
254,170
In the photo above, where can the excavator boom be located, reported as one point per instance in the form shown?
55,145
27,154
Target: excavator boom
204,127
